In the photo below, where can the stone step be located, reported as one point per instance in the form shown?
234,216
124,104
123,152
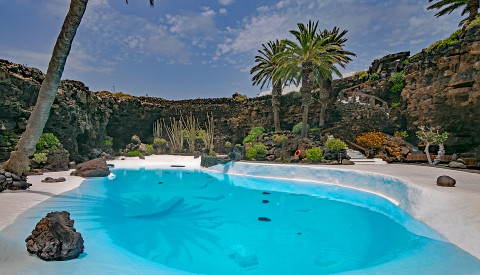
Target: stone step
355,154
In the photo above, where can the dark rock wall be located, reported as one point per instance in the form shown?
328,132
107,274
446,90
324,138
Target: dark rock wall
442,90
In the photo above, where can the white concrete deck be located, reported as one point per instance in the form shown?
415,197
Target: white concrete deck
453,212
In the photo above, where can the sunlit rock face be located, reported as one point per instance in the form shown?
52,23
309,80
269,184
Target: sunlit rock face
443,90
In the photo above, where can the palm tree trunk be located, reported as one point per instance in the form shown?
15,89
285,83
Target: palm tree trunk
18,161
324,94
306,91
473,6
276,93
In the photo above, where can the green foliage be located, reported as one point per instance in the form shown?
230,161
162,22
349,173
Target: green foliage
315,129
240,98
257,131
297,129
395,105
280,139
427,135
252,137
47,142
297,95
374,77
228,144
40,158
454,37
251,153
474,23
363,76
335,145
149,149
402,134
266,138
314,154
249,138
397,82
135,153
159,142
107,142
261,150
360,74
212,153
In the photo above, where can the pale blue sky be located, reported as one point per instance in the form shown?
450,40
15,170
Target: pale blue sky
203,48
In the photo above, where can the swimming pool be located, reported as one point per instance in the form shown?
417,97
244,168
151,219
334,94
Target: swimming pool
178,220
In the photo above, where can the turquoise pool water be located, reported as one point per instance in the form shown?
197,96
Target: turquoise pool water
175,221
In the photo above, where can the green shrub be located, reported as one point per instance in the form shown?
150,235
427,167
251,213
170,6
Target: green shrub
363,76
395,105
474,23
314,154
252,136
402,134
47,142
40,158
135,153
159,142
454,37
251,153
257,131
315,130
397,82
249,138
149,149
240,98
280,139
335,145
261,150
297,129
228,144
212,153
107,142
374,76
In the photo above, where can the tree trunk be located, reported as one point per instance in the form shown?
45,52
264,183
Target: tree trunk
427,148
18,161
276,93
306,91
441,153
324,95
473,6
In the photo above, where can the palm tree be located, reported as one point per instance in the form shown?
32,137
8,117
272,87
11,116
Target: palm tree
18,161
310,62
265,70
448,6
334,36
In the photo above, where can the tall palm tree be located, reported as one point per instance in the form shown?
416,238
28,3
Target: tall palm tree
310,62
265,70
448,6
18,161
334,36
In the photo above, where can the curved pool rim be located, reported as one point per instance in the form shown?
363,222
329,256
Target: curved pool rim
417,200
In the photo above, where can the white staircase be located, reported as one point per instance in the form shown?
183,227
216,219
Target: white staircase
359,158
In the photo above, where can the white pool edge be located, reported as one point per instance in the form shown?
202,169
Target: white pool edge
453,212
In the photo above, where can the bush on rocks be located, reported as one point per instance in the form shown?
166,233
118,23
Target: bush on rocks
297,129
314,154
335,145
